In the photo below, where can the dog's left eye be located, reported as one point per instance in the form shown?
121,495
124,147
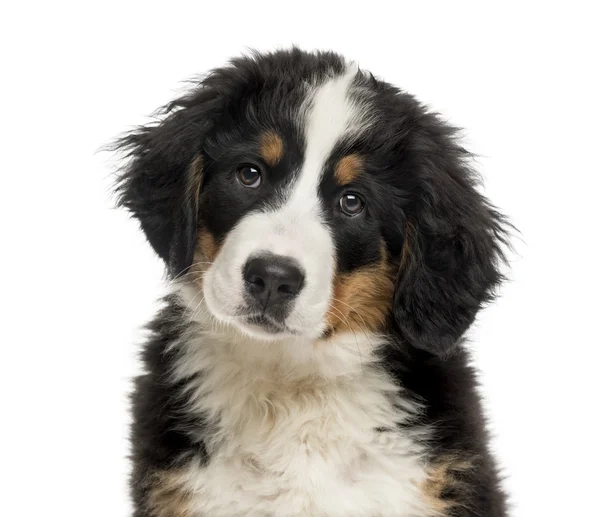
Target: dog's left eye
351,204
249,176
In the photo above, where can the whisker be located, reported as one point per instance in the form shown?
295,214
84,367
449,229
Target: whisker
363,329
190,304
185,270
352,330
353,310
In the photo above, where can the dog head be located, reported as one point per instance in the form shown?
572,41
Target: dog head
306,198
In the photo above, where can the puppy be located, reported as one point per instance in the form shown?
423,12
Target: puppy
327,248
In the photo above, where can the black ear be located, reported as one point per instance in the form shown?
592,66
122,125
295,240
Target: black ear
453,247
161,181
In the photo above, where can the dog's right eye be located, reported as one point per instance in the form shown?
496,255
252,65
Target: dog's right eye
249,176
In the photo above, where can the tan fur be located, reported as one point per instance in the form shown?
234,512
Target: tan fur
168,497
408,248
207,246
362,299
205,253
194,180
271,148
443,476
348,169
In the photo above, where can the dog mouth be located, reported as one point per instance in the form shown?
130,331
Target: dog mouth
266,324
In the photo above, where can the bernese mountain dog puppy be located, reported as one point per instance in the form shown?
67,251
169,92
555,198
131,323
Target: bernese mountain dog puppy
327,248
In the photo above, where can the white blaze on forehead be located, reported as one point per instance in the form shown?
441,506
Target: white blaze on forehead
330,114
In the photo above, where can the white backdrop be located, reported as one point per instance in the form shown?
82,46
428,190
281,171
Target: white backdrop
79,280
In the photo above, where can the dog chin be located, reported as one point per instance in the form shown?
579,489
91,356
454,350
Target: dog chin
260,331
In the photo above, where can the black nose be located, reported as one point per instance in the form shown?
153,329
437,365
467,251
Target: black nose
273,280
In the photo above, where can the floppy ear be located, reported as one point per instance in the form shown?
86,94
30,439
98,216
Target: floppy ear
161,182
452,249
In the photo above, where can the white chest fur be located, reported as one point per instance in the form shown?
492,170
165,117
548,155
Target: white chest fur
295,436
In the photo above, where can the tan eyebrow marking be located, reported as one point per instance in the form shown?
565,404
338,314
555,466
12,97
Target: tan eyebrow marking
348,168
271,148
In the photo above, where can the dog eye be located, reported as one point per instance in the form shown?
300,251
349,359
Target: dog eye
249,176
351,204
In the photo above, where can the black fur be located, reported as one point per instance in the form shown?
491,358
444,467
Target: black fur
443,236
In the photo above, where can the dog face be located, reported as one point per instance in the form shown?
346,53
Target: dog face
297,198
305,198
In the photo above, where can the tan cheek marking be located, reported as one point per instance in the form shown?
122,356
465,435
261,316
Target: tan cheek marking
207,249
348,169
168,496
207,246
362,299
271,148
443,477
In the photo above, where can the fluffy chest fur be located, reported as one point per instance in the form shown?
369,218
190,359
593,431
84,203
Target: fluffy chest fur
301,440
